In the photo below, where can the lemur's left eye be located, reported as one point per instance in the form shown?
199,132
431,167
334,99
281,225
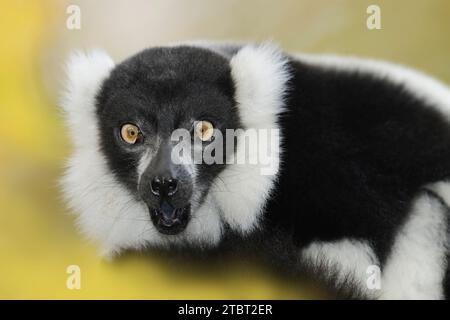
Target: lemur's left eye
204,130
130,133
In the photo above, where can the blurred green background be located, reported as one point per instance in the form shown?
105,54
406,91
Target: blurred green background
37,236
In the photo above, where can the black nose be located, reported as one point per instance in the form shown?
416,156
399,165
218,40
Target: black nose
164,187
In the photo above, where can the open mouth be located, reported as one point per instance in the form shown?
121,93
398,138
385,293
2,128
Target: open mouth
170,220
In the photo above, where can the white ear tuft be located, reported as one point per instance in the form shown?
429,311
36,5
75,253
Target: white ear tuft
85,74
260,73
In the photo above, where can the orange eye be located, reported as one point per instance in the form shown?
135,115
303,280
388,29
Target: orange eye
204,130
130,133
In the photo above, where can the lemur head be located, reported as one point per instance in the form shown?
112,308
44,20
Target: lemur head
141,129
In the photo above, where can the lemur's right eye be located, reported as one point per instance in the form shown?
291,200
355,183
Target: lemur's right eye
130,133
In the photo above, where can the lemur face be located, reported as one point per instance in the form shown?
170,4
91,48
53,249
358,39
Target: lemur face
141,106
135,178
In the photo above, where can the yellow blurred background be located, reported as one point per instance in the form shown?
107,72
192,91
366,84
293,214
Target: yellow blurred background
38,240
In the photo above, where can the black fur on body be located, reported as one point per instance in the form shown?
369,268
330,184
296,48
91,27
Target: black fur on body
357,151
